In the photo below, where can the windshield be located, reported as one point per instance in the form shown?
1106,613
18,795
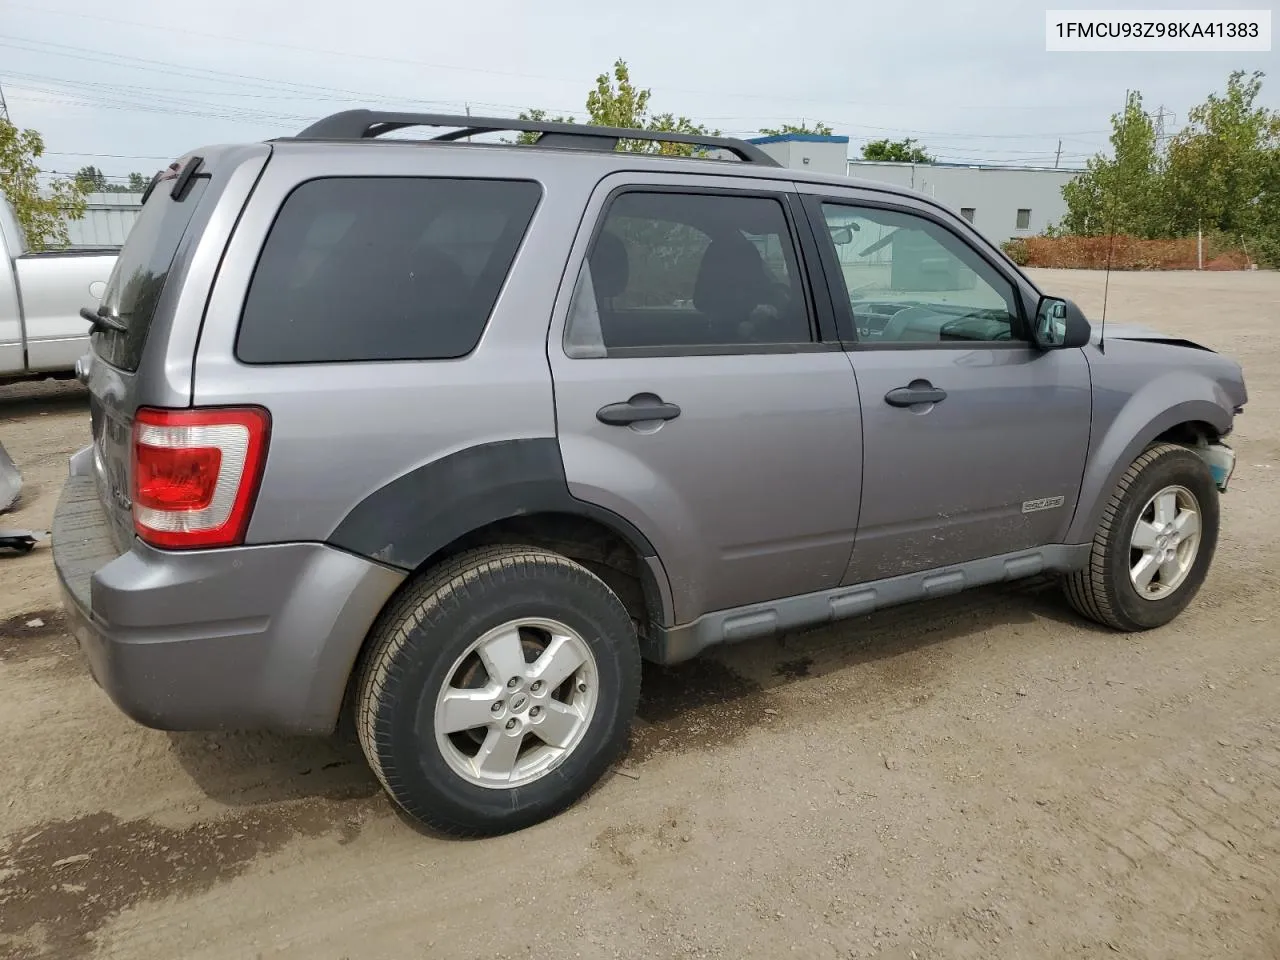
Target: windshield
140,273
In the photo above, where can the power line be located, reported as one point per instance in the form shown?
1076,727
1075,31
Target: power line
383,58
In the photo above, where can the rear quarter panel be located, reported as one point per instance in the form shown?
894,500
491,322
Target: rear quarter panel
341,431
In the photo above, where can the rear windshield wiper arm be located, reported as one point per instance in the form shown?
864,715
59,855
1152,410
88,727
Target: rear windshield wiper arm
100,321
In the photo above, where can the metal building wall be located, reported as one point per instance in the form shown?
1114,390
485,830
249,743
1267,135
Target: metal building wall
995,194
106,221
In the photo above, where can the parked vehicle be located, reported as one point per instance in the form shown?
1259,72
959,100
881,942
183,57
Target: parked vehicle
41,294
450,435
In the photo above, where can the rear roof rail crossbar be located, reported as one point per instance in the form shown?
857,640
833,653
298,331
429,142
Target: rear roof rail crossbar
368,124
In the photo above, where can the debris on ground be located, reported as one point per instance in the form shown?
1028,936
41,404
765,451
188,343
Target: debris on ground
21,541
10,480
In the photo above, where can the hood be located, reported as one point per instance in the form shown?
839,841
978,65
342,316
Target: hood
1128,331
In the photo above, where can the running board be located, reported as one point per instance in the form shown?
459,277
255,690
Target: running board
674,644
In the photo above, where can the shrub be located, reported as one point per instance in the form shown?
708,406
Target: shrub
1125,253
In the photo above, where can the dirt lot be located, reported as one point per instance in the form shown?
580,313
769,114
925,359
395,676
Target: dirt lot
984,776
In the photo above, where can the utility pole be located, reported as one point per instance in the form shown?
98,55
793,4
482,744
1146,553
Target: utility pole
4,107
1057,156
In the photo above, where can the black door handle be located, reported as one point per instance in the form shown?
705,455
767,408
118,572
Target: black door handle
917,392
638,409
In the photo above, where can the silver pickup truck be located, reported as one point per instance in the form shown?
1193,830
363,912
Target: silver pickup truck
41,331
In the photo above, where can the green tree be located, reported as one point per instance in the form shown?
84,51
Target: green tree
42,214
819,129
541,116
616,102
897,151
138,182
92,179
1121,193
1224,167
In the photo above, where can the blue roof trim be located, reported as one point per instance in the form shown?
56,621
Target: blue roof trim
798,138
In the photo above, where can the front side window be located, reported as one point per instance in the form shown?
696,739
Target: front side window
383,268
674,271
909,280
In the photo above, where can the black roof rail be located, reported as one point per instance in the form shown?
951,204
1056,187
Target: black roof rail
367,124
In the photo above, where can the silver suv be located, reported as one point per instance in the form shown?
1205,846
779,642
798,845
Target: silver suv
451,434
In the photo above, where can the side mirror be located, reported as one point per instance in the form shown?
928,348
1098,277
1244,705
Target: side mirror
1060,324
842,235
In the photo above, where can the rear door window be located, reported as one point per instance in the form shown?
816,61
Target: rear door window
674,271
136,281
383,268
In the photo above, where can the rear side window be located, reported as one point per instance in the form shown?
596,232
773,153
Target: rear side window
139,275
383,268
671,271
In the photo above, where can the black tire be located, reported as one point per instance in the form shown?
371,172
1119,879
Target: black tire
421,635
1103,591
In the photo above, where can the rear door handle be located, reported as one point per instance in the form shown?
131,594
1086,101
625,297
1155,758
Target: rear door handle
639,409
918,391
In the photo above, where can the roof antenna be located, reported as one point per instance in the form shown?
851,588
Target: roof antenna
1111,238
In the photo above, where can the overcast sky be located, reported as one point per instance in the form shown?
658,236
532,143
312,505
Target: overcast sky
130,84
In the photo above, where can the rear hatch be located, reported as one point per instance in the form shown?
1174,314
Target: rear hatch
134,349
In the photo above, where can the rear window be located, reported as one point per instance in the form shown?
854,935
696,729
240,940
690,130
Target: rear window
139,275
383,268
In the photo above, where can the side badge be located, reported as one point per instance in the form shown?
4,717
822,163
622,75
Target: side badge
1048,503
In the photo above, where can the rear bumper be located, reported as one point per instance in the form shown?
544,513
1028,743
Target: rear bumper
260,637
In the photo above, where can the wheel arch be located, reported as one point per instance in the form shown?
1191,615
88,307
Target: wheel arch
1136,428
507,492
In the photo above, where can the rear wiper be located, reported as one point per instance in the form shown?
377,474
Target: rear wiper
101,322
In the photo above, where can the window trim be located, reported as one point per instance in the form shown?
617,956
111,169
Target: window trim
275,217
1018,216
813,202
824,335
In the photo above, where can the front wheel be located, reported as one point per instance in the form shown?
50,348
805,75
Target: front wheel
498,690
1153,548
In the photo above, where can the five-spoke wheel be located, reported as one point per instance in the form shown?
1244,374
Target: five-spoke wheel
1154,545
497,689
516,703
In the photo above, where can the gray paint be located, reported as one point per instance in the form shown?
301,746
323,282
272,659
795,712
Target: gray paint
755,499
688,484
242,637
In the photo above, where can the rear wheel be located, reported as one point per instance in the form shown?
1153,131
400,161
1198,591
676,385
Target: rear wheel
1153,548
498,690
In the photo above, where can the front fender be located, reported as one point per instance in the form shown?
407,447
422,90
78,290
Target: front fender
1146,414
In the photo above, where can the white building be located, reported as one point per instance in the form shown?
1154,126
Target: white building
1001,201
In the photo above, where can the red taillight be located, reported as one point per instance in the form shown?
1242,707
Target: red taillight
196,474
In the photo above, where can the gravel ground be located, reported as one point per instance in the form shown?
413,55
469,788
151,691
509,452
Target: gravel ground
983,776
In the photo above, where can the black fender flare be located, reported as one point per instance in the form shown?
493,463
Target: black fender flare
406,521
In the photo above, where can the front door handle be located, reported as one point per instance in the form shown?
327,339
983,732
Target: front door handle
639,409
918,391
